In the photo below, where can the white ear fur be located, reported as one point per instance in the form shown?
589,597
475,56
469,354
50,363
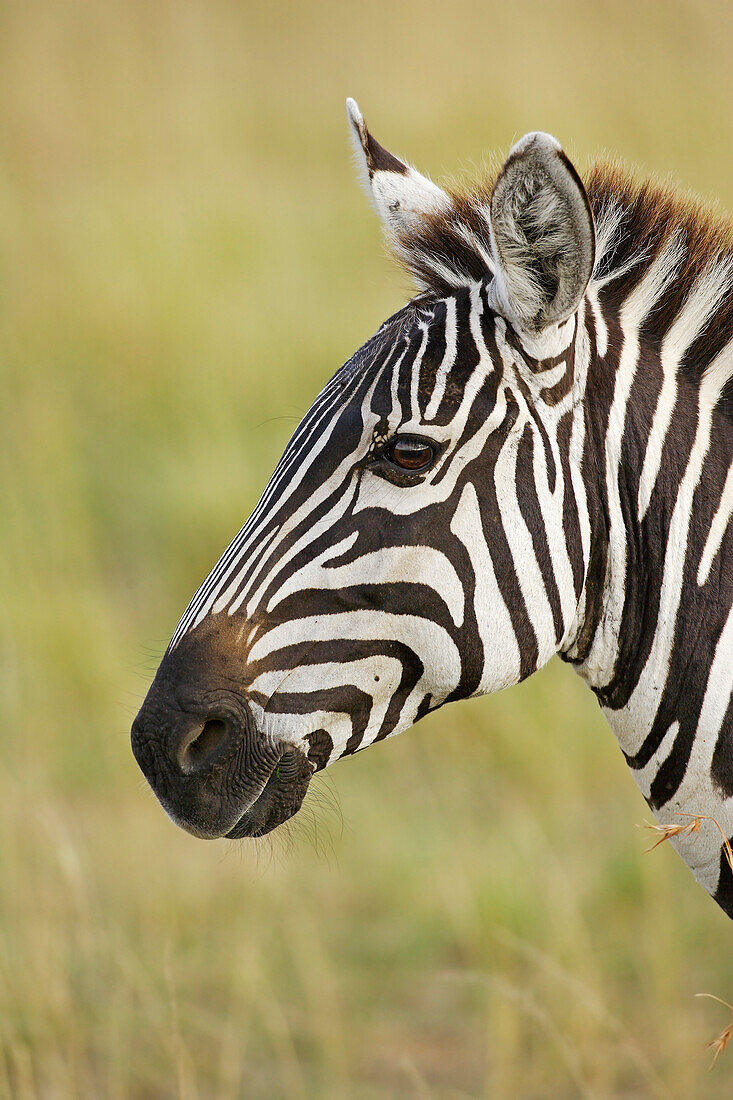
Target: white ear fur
400,194
542,235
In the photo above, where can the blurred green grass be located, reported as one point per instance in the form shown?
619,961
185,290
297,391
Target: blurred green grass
465,911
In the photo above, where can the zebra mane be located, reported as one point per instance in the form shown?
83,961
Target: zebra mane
636,221
639,220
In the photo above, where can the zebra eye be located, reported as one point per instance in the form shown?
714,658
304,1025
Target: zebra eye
414,455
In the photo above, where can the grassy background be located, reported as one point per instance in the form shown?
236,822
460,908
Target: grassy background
465,911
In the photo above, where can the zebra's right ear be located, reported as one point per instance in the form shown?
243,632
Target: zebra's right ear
400,195
542,235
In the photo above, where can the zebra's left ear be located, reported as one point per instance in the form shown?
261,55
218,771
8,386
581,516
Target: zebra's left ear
542,235
400,194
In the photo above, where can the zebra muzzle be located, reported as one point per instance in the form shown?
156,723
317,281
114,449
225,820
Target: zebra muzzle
197,742
214,773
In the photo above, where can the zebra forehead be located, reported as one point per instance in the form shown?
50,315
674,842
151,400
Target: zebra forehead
378,347
429,349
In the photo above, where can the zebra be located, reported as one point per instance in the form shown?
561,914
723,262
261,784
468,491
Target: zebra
531,457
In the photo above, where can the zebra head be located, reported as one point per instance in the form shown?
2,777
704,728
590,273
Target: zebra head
423,538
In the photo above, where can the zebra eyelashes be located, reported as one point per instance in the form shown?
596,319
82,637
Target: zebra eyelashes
403,459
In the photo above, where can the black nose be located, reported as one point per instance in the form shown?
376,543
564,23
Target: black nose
185,746
199,747
206,764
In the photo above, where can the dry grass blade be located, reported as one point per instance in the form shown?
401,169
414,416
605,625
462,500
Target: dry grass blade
666,832
720,1042
692,826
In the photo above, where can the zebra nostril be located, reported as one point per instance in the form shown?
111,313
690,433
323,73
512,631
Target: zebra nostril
199,748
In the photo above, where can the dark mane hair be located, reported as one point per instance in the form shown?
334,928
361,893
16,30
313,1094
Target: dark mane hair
644,218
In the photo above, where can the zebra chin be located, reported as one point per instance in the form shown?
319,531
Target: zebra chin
281,797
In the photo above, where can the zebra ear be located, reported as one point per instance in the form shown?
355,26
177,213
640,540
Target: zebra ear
542,235
400,194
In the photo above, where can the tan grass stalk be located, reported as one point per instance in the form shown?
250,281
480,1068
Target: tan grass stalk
720,1042
692,826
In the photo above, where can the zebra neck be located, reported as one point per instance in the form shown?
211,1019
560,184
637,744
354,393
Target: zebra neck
656,645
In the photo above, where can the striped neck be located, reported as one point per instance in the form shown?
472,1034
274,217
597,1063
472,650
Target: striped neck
656,644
